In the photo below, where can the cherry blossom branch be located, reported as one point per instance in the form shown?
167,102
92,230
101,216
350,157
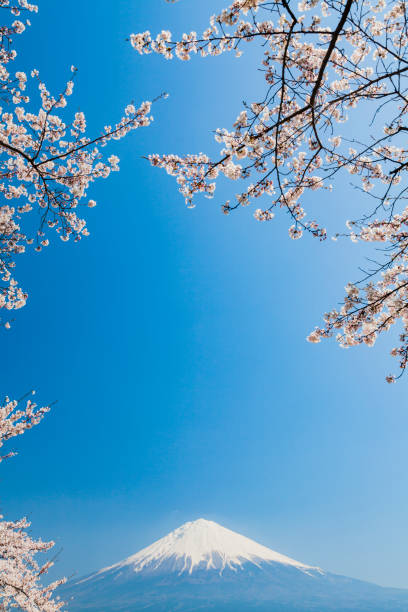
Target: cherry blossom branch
320,60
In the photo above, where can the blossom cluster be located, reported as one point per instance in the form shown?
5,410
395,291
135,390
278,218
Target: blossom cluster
374,307
14,421
20,573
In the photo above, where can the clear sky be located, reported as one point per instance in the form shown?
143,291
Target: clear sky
174,339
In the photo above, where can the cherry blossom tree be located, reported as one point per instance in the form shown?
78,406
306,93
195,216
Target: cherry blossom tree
321,60
20,573
47,162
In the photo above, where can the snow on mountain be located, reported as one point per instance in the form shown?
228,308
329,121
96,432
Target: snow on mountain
203,544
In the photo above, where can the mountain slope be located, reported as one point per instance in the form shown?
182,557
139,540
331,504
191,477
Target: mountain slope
204,566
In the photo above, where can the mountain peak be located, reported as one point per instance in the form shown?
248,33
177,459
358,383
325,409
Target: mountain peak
206,545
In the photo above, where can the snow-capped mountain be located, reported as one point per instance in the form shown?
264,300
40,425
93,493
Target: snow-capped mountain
205,545
204,566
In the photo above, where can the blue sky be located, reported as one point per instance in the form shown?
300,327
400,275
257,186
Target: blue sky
174,339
